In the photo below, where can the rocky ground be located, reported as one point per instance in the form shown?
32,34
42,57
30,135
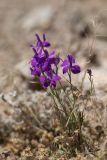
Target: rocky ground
78,27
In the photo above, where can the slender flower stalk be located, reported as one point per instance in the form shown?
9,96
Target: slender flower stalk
89,71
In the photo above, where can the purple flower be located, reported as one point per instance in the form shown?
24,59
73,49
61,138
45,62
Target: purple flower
42,43
55,79
46,67
69,65
43,64
35,71
45,61
42,61
53,59
51,62
33,62
47,81
71,59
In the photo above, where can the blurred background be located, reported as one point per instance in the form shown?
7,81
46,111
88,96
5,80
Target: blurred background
78,27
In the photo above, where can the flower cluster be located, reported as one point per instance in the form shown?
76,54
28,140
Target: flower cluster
45,64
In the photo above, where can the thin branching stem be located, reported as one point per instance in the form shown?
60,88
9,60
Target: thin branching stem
65,93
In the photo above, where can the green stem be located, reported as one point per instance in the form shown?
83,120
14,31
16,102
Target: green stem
81,87
58,97
56,106
69,74
70,115
92,86
65,92
54,92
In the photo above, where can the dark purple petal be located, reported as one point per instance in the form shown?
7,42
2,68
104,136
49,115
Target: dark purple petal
76,69
57,60
46,67
46,84
42,57
36,71
65,69
34,50
37,36
46,44
71,59
39,42
50,73
46,53
51,58
44,81
44,37
53,83
33,62
41,60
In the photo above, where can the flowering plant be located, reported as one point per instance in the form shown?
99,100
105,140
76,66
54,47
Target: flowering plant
45,65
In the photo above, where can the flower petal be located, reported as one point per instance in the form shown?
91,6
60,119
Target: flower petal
56,78
51,58
42,79
44,37
76,69
35,71
46,67
65,63
46,84
46,44
39,42
33,62
53,83
65,69
71,59
57,60
34,50
50,73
